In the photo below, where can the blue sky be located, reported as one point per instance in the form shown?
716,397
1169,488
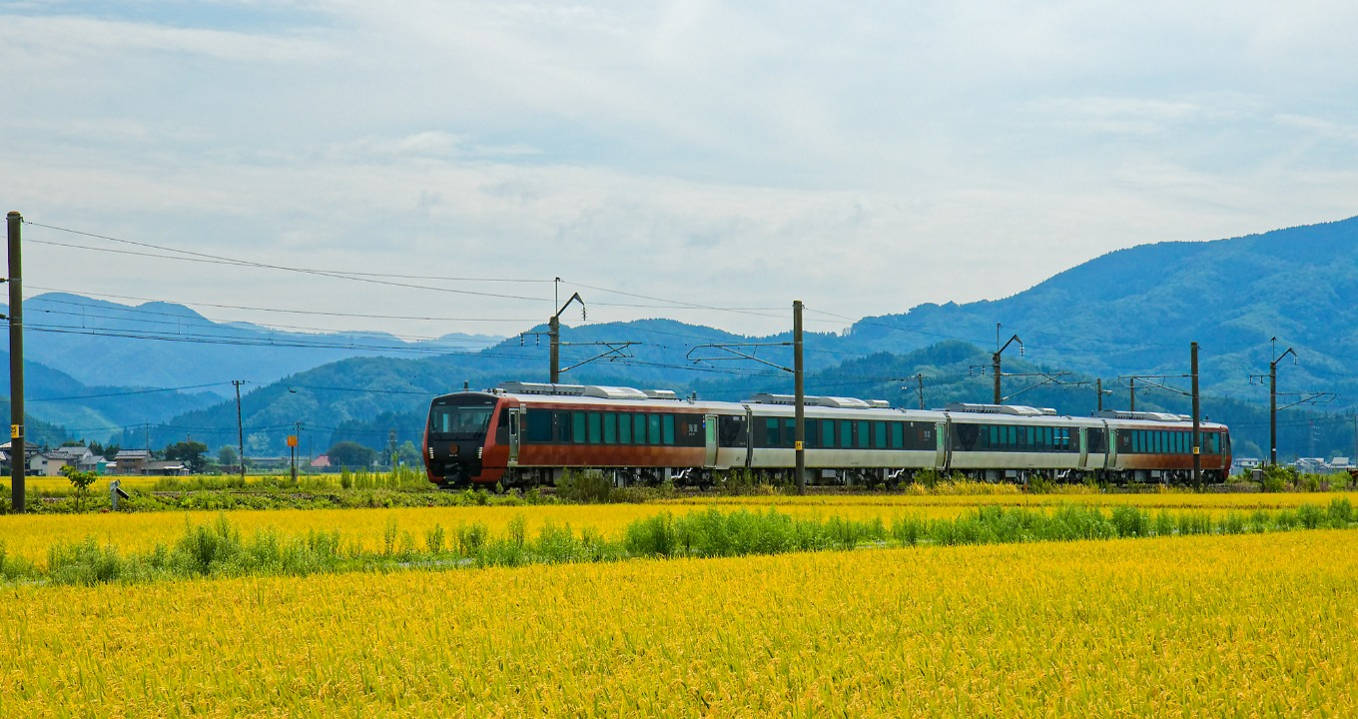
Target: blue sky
864,157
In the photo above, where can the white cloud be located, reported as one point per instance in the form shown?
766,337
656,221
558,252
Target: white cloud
863,158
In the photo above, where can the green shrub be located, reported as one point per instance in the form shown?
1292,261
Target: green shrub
434,539
585,487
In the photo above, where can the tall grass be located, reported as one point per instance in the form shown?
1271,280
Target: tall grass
218,549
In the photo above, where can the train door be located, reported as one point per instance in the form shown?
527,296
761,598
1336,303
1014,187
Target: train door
710,425
1110,435
749,436
515,424
1084,448
943,455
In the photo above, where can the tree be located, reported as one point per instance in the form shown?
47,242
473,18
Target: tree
190,453
227,456
350,454
80,480
408,454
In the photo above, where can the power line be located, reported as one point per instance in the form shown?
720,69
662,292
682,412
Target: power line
272,342
191,256
279,310
127,393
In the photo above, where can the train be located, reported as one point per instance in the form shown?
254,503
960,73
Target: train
523,434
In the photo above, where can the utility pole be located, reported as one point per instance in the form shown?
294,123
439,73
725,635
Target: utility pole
798,397
1273,400
1132,384
240,429
18,439
1098,391
554,334
391,448
1197,426
995,358
919,378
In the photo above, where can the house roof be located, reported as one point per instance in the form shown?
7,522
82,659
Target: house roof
133,454
321,461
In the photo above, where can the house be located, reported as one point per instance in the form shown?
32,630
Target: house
132,461
166,467
79,457
46,464
31,451
322,463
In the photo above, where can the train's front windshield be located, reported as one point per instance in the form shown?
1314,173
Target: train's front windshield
461,421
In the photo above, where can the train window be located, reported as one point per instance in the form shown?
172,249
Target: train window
772,437
846,434
879,435
578,427
595,435
863,439
669,428
897,435
639,428
653,428
538,426
624,429
1095,439
610,428
731,431
827,432
790,432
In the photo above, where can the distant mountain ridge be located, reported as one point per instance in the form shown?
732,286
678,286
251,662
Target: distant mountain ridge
1132,311
161,344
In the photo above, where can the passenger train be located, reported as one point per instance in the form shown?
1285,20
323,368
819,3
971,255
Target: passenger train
527,434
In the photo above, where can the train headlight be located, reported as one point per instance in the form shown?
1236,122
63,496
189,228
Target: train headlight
479,450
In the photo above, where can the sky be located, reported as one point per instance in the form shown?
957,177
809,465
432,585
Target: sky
705,161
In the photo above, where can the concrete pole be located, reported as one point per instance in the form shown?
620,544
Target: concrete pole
18,437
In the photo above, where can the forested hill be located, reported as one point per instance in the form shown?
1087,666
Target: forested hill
1137,310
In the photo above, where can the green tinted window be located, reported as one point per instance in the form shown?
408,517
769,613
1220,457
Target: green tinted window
624,429
578,426
653,431
595,426
669,428
879,435
827,432
538,427
639,428
610,428
845,433
772,437
897,435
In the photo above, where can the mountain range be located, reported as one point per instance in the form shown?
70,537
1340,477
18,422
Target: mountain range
1130,312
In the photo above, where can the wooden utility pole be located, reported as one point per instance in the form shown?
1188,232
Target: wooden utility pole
18,438
799,397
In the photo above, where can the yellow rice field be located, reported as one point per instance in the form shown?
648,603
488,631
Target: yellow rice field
29,536
1239,626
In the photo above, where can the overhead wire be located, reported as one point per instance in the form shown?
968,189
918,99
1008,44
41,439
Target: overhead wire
193,256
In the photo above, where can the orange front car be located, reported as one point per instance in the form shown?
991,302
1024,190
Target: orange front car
459,440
